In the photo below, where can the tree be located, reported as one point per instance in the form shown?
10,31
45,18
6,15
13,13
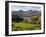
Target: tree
35,19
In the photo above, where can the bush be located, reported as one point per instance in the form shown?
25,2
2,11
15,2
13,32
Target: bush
35,19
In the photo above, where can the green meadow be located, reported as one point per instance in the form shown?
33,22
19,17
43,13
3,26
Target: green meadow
21,26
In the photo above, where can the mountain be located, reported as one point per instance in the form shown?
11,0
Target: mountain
28,13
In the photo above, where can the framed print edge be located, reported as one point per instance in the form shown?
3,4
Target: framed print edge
7,18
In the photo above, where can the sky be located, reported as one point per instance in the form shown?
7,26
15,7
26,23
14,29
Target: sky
24,8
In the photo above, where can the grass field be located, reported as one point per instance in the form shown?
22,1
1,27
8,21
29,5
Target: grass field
21,26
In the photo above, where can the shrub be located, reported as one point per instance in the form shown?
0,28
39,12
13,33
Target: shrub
35,19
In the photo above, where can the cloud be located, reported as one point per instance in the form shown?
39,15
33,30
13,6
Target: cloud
25,8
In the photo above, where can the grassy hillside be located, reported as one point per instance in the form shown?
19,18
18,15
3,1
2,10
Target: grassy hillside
24,26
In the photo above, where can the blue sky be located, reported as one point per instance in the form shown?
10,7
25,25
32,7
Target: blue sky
25,8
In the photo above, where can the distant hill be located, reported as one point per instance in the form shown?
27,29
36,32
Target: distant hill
28,13
25,15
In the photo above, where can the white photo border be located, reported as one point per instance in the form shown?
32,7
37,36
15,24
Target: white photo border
8,27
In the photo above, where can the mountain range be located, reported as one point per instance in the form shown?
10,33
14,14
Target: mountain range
28,13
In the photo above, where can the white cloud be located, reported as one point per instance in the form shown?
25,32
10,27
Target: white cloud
25,8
